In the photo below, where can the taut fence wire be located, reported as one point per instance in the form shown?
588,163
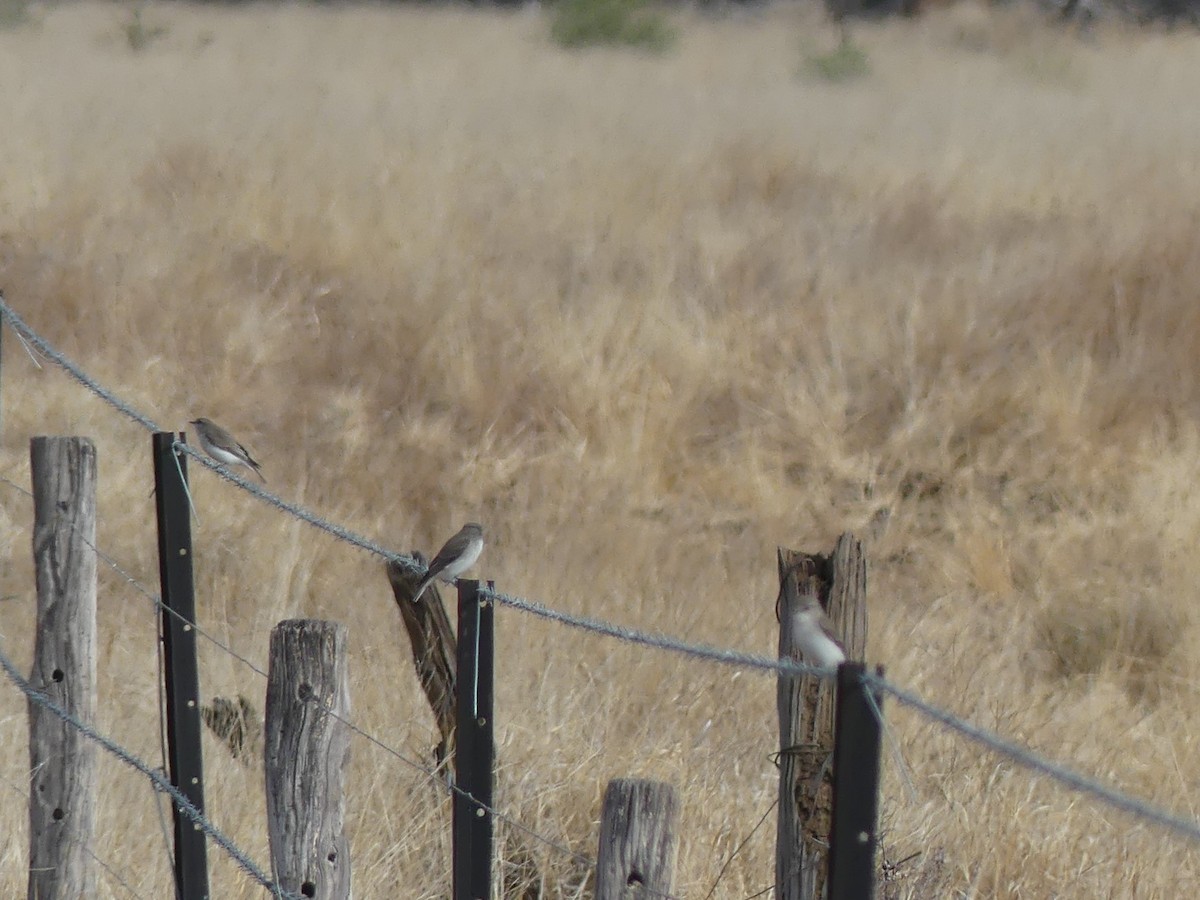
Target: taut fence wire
235,853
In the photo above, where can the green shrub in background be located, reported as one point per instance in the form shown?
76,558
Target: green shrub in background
847,62
138,33
14,13
581,23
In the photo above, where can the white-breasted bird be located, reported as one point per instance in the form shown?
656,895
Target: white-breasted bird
456,556
812,634
224,447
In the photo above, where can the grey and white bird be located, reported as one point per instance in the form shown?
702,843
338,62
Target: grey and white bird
812,633
223,446
456,556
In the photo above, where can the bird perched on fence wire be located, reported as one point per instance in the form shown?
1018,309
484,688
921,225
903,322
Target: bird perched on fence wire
456,556
812,633
223,446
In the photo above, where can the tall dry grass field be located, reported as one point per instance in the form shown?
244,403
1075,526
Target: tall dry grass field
647,318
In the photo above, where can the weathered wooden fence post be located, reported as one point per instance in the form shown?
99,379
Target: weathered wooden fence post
62,761
434,649
305,755
806,712
637,840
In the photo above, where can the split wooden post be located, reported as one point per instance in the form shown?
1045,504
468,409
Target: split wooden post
433,646
435,655
305,756
637,840
806,712
62,761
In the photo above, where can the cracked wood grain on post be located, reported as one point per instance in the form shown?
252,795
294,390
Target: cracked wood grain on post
305,756
806,712
433,648
637,840
62,760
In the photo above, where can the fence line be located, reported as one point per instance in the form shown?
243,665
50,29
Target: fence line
705,652
46,349
1017,753
649,639
306,515
235,853
430,773
425,770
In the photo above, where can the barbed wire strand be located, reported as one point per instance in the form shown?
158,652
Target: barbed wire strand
312,518
663,642
1038,763
87,848
49,352
185,805
722,655
760,663
43,346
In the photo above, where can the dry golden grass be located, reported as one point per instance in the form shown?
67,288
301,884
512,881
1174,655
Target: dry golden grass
647,318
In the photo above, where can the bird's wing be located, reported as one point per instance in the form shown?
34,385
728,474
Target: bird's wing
251,461
451,551
246,453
